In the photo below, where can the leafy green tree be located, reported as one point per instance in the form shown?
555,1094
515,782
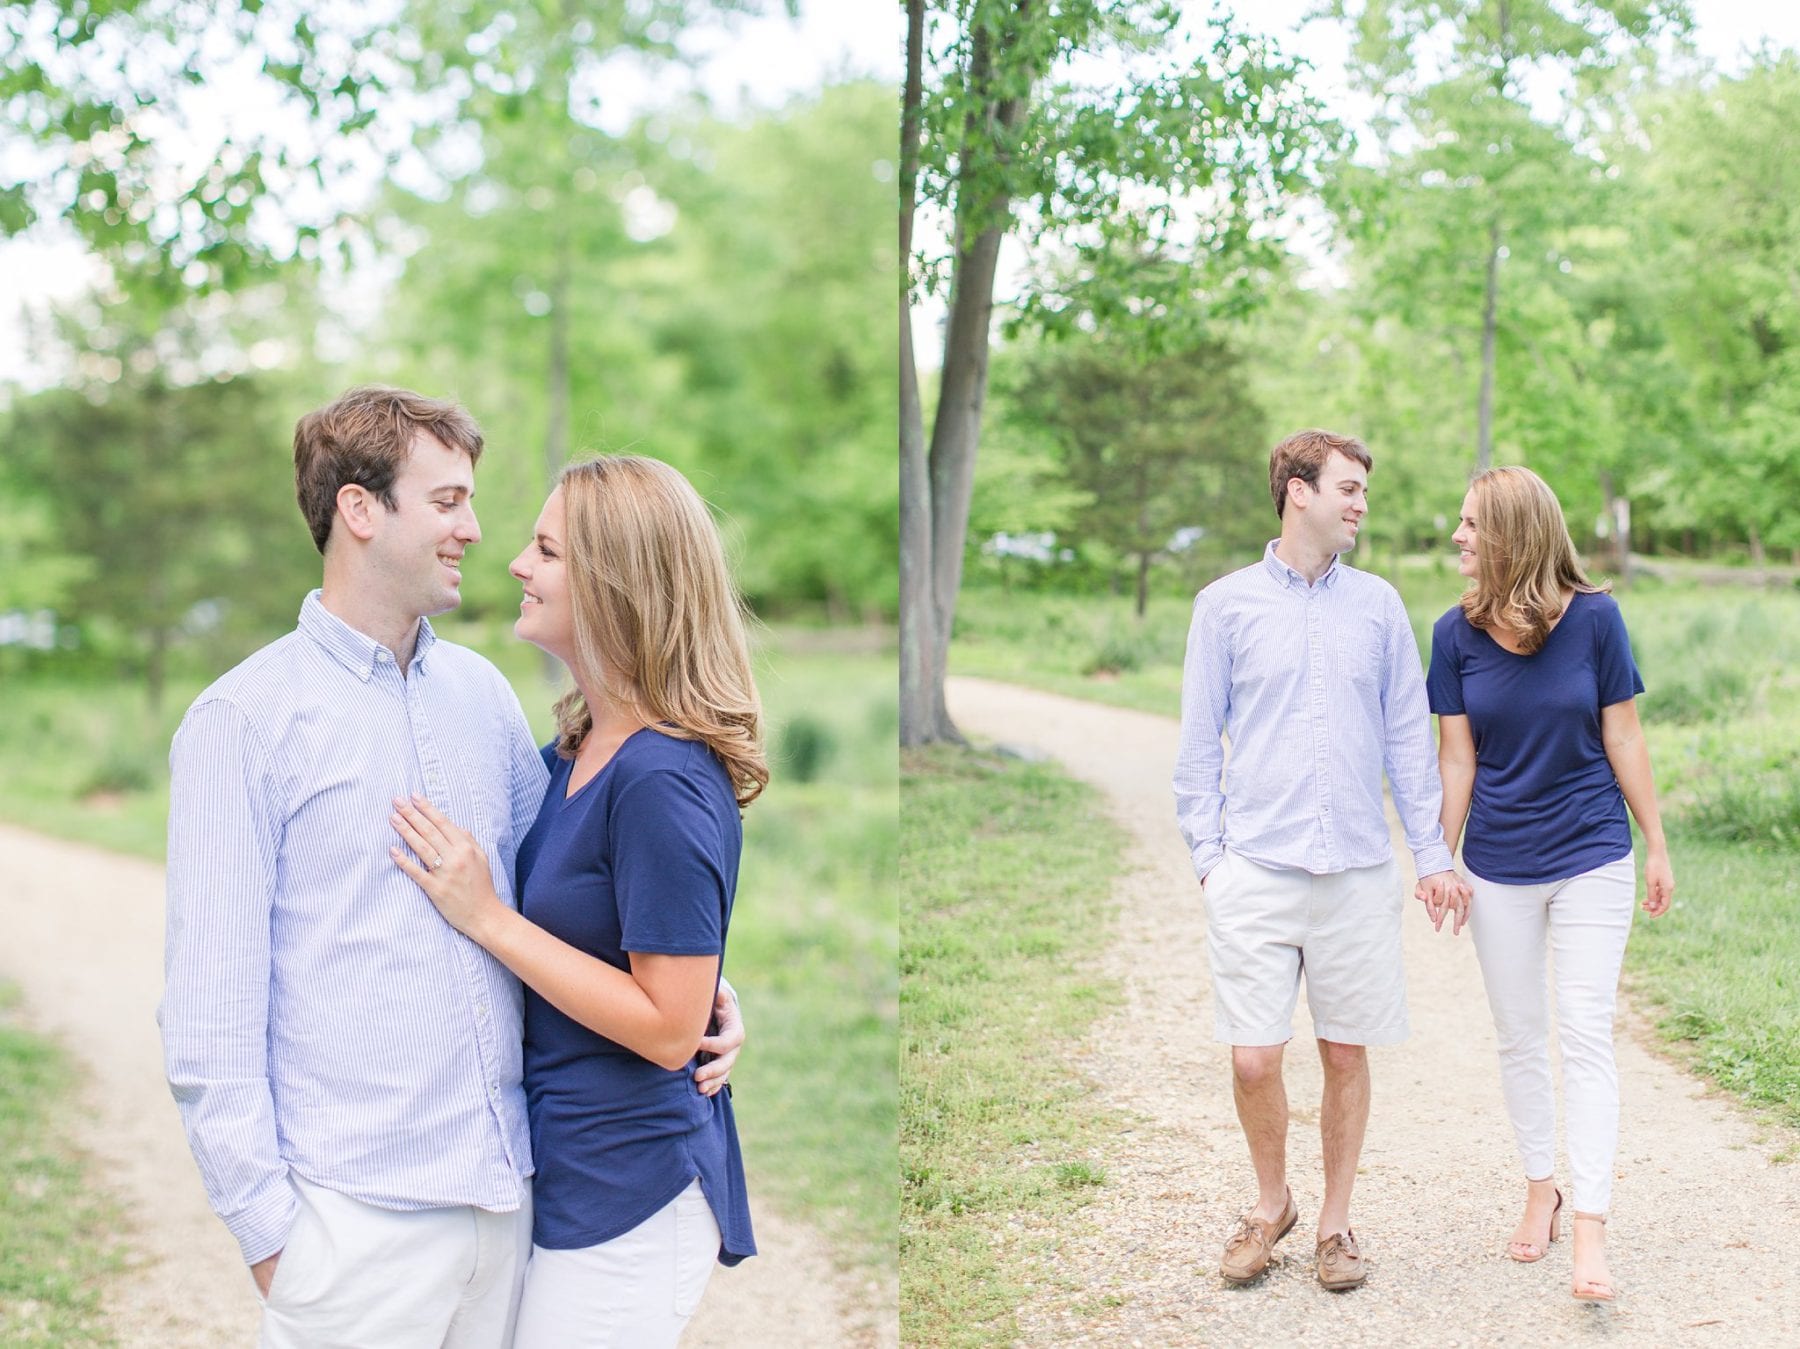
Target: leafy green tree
1461,231
1718,227
530,84
95,89
37,569
1144,197
775,306
1156,445
115,130
517,297
722,309
174,495
1020,490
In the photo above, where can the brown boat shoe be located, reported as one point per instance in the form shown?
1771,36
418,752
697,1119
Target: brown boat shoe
1252,1246
1340,1262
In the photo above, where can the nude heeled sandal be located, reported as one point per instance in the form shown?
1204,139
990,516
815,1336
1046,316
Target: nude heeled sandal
1513,1247
1610,1294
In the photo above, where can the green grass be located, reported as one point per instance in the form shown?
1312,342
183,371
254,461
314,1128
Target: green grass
52,1260
814,944
1721,970
814,934
1007,868
1721,665
86,760
1093,648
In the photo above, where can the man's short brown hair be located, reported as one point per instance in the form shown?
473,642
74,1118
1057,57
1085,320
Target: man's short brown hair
364,438
1303,455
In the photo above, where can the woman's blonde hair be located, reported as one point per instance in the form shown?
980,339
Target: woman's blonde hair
658,621
1525,558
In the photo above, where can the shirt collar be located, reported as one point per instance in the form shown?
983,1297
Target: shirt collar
356,651
1287,577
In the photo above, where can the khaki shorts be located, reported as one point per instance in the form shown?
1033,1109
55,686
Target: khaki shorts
1267,925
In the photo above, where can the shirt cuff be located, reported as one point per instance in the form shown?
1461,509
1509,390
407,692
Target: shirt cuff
262,1229
1429,861
1207,856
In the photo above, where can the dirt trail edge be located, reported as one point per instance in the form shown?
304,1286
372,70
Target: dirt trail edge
1704,1225
83,940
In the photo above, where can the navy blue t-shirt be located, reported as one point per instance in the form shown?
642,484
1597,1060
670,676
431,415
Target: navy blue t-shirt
1546,804
643,858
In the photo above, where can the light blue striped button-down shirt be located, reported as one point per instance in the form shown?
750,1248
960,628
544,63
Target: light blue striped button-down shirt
319,1016
1320,687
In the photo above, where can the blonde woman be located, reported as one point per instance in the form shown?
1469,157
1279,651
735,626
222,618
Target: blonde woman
1540,750
625,885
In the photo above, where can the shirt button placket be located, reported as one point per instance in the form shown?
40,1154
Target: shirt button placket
431,772
1315,662
431,768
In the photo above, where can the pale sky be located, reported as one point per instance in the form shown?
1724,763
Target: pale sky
1724,31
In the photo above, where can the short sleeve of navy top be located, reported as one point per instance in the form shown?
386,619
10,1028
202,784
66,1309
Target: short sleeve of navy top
644,857
1546,805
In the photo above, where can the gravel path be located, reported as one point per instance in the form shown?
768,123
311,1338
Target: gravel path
83,939
1705,1236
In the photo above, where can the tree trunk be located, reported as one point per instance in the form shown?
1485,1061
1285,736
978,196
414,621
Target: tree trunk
1758,558
1618,515
1143,582
955,436
981,222
1621,509
920,701
1484,428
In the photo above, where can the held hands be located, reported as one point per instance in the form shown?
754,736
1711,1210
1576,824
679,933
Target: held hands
454,874
1659,884
1445,893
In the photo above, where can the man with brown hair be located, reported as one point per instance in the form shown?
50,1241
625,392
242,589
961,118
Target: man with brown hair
1311,667
347,1065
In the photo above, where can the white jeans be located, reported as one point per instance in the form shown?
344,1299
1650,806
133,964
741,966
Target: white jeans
1587,918
636,1291
353,1276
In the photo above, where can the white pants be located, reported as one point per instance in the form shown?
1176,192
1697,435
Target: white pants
1587,918
636,1291
353,1276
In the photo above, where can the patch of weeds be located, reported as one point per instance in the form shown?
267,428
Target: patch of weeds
1074,1175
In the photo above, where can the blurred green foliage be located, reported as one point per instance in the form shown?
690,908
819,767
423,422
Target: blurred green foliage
1150,444
1644,323
163,503
744,335
712,290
